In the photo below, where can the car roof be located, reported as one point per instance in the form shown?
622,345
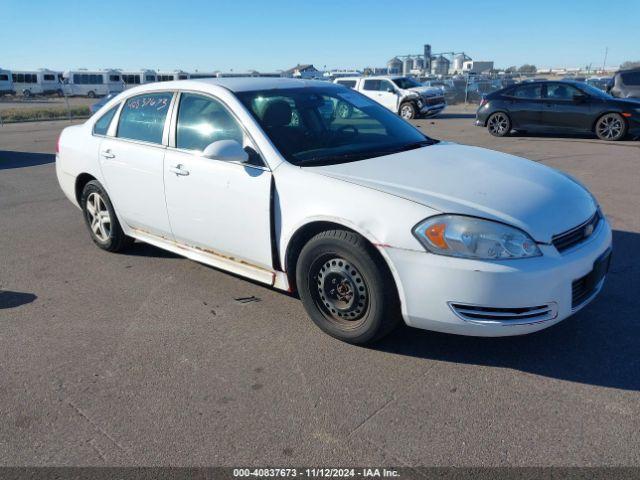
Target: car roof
236,85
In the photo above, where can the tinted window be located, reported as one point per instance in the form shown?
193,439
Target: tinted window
325,125
150,78
4,78
406,82
143,117
101,127
49,77
114,78
202,120
371,85
527,91
631,78
347,83
558,91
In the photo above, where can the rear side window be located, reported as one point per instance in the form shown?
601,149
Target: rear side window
527,91
347,83
143,117
101,127
631,78
203,120
371,85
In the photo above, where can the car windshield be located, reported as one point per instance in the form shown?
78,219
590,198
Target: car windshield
328,125
406,82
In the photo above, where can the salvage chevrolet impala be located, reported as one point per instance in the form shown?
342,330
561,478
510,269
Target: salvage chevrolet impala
368,219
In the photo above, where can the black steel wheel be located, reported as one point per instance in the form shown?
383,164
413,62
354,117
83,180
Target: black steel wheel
345,287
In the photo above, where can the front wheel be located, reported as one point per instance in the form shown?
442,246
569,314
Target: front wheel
611,126
407,111
499,124
345,288
100,217
91,94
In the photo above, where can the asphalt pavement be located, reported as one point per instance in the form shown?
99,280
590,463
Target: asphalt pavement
146,358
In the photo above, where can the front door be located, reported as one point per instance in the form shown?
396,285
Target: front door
221,208
132,163
566,108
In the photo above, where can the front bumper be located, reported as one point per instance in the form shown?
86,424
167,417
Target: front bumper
429,284
431,110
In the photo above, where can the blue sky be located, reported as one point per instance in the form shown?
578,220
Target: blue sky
271,35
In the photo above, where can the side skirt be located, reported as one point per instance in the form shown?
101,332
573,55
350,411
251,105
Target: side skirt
215,259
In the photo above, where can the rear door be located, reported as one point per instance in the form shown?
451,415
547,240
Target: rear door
382,91
131,158
563,111
524,103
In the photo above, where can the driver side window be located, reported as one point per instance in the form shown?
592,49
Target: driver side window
559,91
202,121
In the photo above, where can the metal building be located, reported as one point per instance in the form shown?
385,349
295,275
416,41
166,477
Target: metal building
394,66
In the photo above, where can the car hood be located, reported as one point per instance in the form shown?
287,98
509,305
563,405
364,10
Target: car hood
427,91
475,181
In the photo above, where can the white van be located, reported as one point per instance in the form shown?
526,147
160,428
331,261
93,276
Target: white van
93,83
6,83
138,77
170,76
37,82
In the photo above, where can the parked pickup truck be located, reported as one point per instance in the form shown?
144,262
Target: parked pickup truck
403,95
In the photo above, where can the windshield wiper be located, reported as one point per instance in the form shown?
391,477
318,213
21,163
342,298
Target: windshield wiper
346,157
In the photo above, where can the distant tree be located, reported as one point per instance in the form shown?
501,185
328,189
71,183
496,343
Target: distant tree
526,68
628,65
511,69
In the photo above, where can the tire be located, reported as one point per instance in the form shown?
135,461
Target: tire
367,308
407,111
104,228
91,94
60,93
611,126
499,124
26,93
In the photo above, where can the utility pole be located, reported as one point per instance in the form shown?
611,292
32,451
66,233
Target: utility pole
604,63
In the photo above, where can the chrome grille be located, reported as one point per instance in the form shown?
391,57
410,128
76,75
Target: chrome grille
576,235
506,316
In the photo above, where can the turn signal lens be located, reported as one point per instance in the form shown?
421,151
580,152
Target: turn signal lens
625,114
435,233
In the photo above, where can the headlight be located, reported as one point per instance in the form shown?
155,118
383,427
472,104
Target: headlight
470,237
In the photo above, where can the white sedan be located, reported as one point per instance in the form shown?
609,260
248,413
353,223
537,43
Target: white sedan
369,220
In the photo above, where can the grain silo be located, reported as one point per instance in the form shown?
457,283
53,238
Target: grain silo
394,66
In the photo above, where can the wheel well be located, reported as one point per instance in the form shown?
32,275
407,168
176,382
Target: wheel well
81,181
306,233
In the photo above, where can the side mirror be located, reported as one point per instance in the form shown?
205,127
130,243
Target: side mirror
226,151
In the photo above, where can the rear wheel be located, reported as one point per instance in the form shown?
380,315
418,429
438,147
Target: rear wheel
345,288
611,126
499,124
26,93
91,94
100,217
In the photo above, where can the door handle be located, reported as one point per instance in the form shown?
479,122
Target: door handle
107,154
178,170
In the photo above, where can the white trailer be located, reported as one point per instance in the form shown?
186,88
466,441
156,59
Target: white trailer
170,76
138,77
37,82
92,83
6,82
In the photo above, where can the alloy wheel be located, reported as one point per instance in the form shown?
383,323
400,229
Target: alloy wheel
406,112
99,217
498,124
610,127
